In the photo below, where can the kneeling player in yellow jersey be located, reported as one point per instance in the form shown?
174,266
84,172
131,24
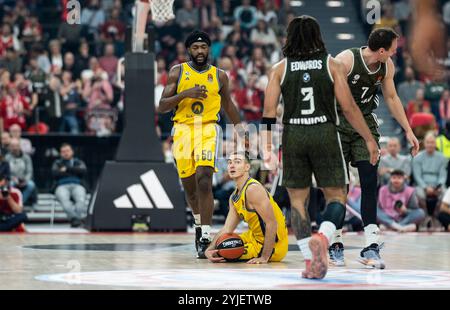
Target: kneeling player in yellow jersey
267,237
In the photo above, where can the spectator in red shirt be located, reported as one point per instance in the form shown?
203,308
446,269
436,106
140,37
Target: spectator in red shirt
108,61
249,100
32,31
113,29
11,209
14,108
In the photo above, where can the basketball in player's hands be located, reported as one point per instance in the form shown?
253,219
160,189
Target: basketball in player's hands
230,246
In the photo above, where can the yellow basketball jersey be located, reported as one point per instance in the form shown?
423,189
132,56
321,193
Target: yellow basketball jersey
252,218
201,110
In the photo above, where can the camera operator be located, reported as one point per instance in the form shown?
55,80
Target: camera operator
398,207
11,209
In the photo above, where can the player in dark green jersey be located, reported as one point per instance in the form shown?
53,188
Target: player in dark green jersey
368,68
310,81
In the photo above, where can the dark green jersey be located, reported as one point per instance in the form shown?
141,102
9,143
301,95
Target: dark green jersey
364,84
308,92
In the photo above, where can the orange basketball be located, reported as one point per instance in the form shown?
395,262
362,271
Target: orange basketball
230,246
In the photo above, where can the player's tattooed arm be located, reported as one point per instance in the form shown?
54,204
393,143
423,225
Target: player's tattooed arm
227,103
300,224
170,99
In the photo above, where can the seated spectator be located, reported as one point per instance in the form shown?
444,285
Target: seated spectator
37,78
70,94
12,215
418,105
180,56
407,90
397,204
393,161
421,123
21,168
25,88
225,13
6,140
53,105
430,175
262,35
444,212
100,116
32,31
188,17
68,173
434,90
92,18
249,100
69,65
4,164
83,57
56,57
108,61
69,35
14,108
25,144
444,107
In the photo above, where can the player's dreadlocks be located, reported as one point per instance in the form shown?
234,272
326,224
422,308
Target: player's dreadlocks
303,38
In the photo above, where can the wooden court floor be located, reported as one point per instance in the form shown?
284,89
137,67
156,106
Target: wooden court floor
167,261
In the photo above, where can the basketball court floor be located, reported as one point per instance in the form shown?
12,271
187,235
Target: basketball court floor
84,260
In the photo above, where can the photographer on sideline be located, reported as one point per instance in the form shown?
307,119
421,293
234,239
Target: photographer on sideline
398,207
11,208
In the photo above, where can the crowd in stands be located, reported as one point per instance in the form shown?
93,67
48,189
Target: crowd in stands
65,82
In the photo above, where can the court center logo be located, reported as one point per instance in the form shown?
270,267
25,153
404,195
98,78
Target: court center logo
147,195
197,107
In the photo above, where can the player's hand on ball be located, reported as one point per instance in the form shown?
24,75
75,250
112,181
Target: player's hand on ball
414,142
196,92
374,151
258,260
213,256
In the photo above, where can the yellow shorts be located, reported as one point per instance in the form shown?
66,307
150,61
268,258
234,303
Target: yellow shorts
195,146
253,248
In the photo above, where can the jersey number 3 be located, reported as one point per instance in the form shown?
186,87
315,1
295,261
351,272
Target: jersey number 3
308,96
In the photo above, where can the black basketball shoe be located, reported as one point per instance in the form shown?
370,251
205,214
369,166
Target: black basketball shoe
203,244
198,235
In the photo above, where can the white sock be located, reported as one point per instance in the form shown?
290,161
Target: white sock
197,219
371,233
206,232
303,245
337,236
327,229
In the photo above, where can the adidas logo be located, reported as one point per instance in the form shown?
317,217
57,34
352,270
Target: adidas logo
147,195
199,39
